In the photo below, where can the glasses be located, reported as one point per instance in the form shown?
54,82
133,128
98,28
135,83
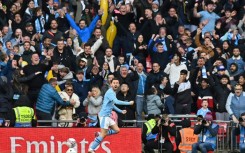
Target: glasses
69,89
238,89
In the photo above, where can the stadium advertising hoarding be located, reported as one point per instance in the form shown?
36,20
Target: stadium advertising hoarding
53,140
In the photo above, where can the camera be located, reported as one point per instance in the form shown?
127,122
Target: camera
199,118
163,121
75,116
241,119
204,122
82,119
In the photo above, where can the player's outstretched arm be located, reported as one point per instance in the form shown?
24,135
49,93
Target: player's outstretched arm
117,109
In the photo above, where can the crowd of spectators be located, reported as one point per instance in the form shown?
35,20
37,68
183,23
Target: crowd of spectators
169,55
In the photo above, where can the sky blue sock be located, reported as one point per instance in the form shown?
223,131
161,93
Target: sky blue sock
110,132
96,142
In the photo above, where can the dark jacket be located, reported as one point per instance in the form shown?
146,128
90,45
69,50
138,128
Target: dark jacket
95,80
130,78
154,78
162,58
130,115
81,88
165,130
54,36
99,54
66,58
27,56
36,82
183,97
140,54
125,20
130,38
221,93
6,94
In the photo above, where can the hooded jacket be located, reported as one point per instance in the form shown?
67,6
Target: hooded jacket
154,104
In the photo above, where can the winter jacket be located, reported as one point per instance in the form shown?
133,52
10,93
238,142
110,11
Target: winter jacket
36,82
47,98
154,104
65,58
85,33
65,113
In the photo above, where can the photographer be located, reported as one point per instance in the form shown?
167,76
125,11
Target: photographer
240,130
167,132
207,138
82,120
147,136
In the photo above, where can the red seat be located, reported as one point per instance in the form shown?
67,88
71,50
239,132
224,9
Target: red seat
210,151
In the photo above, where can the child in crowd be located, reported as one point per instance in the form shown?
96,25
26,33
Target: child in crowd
203,111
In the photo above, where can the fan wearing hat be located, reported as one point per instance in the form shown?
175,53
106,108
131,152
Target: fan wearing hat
155,7
208,134
208,17
82,66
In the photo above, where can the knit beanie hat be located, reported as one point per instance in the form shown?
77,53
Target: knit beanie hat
208,116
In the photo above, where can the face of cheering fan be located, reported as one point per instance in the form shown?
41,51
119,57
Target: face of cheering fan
35,59
69,90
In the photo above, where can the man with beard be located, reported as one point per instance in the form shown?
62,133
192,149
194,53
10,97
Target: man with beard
236,58
18,39
87,54
53,33
99,54
29,29
18,23
222,91
26,56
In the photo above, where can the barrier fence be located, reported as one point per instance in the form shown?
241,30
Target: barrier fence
226,140
53,140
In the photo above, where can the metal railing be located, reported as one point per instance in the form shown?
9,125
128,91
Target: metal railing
226,140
